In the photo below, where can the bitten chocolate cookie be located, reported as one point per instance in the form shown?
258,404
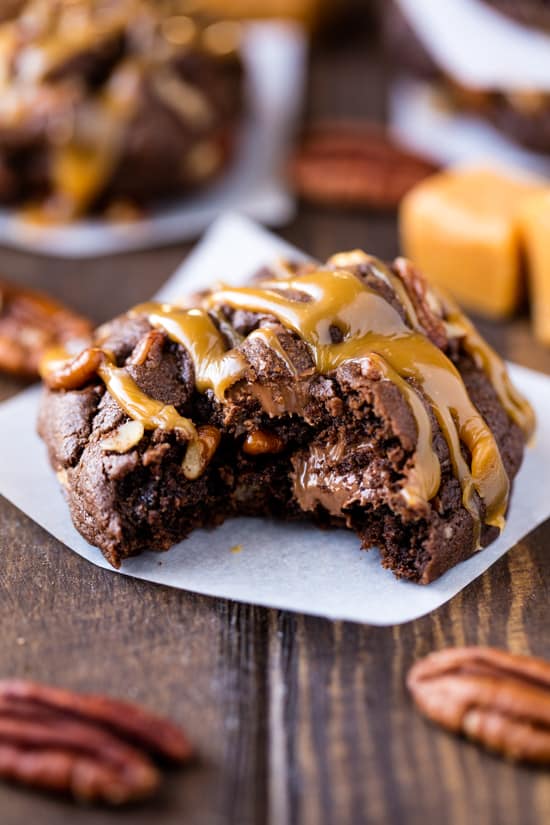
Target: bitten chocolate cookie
349,394
109,101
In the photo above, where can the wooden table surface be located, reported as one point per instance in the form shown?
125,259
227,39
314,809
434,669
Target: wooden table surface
296,719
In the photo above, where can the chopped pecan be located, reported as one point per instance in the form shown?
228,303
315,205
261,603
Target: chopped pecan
30,323
125,437
426,303
72,373
355,164
93,747
259,442
498,699
200,451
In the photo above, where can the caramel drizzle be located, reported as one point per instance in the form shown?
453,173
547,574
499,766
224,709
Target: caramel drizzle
371,328
483,355
486,359
121,386
425,477
216,367
345,260
369,324
140,406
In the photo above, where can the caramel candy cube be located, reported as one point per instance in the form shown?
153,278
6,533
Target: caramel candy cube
535,228
461,228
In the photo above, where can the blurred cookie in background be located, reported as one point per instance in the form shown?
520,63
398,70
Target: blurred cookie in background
331,18
10,8
519,110
103,101
530,12
523,116
402,45
309,12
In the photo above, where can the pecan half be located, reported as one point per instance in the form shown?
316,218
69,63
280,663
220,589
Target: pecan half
200,451
94,747
498,699
73,373
426,304
355,164
125,437
30,323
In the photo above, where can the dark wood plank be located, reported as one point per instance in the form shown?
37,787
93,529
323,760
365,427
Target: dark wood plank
296,719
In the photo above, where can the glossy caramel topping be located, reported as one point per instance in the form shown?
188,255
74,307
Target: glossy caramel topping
216,367
346,260
425,477
139,406
369,324
484,356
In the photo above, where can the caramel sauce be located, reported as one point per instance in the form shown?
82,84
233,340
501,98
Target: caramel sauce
486,359
425,478
139,406
78,173
216,367
312,305
369,324
342,260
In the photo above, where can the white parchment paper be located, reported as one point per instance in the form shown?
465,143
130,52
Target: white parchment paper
254,184
291,567
420,119
479,46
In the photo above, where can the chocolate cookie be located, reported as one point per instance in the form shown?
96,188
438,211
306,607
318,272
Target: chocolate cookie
523,115
350,395
534,13
113,100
